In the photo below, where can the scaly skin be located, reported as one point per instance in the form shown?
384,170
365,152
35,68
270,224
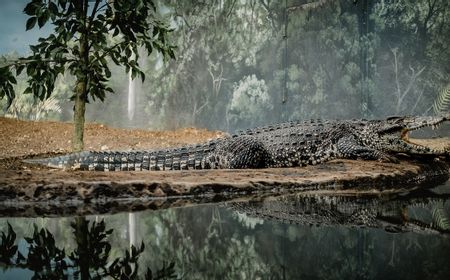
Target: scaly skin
283,145
394,215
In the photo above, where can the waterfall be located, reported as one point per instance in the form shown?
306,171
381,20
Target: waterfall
131,97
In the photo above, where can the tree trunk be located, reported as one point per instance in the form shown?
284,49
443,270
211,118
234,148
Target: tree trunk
81,87
81,238
78,115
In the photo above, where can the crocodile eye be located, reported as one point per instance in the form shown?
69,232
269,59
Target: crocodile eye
392,118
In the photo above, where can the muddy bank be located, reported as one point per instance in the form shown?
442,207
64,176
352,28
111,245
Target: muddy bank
48,192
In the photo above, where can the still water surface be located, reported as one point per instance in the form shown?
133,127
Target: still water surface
402,236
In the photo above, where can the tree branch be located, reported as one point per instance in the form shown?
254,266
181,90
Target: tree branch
27,61
412,80
104,6
107,51
94,11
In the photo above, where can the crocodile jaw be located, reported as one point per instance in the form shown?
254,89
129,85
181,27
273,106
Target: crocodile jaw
414,147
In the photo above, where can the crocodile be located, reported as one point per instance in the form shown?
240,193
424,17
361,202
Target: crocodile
290,144
396,213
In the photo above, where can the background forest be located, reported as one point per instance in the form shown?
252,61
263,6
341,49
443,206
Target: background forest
241,63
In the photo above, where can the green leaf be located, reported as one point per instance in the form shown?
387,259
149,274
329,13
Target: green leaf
116,32
62,4
133,73
43,19
30,9
115,60
107,72
31,22
19,69
53,8
27,90
12,79
30,70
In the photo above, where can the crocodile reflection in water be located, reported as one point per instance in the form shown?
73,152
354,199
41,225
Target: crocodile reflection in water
423,211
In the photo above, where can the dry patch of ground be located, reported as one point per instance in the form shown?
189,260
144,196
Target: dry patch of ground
24,138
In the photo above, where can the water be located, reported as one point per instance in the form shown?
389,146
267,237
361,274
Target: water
300,236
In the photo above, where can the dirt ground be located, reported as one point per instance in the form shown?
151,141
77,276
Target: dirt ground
25,183
24,138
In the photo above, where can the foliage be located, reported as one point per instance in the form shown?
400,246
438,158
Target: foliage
7,247
249,103
442,102
213,55
7,80
22,107
339,60
441,220
127,25
47,261
330,59
83,40
416,30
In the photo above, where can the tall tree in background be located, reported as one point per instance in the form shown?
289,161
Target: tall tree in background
87,34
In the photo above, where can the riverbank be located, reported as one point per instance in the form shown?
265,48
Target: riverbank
53,191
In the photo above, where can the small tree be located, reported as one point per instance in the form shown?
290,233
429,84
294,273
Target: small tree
87,34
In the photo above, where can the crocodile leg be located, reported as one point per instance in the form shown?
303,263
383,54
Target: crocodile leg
348,147
240,152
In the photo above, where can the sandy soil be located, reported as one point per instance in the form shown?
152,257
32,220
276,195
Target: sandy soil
25,138
24,183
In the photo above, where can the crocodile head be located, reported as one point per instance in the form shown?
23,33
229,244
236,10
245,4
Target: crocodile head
392,134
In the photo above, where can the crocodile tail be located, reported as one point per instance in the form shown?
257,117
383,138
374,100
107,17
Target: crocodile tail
184,158
64,161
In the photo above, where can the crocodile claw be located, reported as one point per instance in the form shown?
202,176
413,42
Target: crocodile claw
389,159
